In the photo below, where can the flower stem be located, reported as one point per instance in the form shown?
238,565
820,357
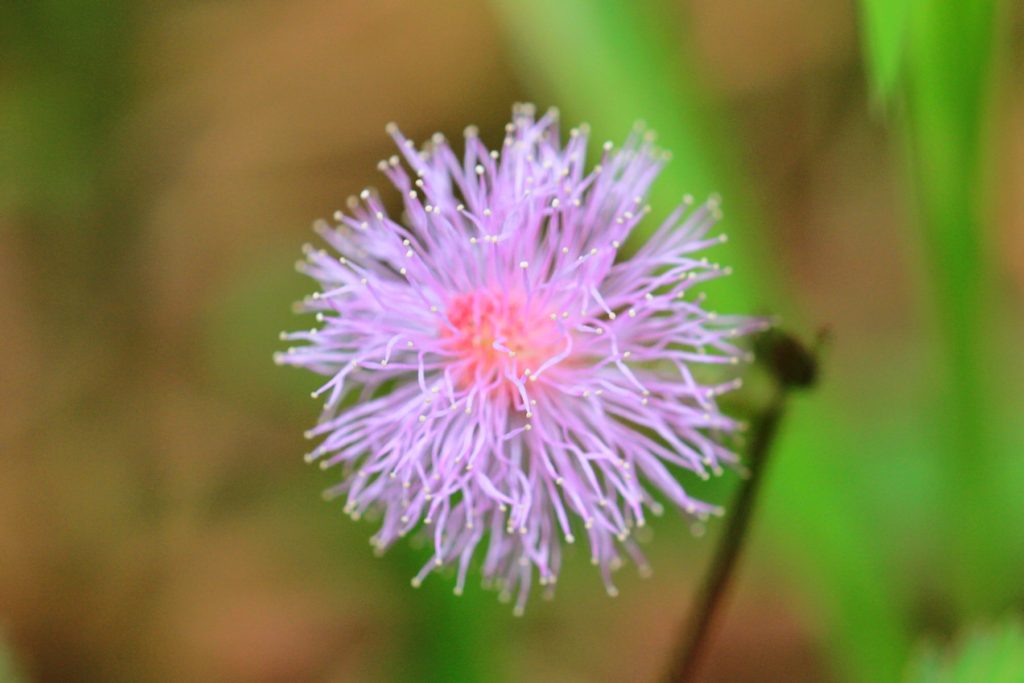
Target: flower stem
792,366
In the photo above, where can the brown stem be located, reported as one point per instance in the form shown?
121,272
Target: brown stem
792,366
716,581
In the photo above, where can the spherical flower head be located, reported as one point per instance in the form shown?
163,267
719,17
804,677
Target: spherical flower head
501,375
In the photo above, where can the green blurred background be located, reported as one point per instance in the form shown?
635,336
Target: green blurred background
161,163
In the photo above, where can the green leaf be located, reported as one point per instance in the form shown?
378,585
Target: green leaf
984,655
814,503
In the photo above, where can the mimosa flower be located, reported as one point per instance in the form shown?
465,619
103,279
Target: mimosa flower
501,373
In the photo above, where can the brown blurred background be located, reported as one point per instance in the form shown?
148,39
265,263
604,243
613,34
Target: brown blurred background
156,520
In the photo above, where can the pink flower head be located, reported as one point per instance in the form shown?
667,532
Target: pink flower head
500,373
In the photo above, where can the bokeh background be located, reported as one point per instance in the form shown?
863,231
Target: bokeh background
161,164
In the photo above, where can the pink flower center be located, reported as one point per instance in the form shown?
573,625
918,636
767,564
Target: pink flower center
498,333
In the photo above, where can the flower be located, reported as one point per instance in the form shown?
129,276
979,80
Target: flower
499,371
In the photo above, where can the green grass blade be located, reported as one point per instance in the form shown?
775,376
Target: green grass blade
949,83
884,25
